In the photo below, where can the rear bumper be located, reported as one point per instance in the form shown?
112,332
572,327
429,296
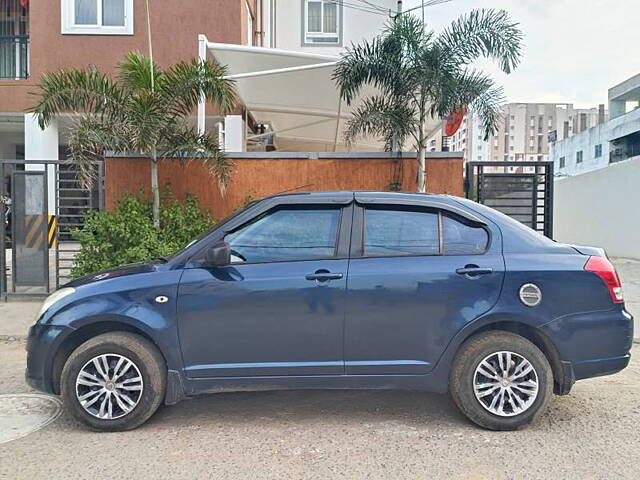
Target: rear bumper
591,344
600,367
42,344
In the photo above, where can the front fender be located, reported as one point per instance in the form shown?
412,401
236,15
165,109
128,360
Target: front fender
129,301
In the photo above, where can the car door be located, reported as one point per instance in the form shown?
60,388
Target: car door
417,275
278,308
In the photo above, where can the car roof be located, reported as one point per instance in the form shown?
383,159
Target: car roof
349,194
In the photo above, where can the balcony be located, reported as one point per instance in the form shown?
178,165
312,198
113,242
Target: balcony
14,39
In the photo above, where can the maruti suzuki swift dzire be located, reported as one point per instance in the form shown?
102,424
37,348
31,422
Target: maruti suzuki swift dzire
339,290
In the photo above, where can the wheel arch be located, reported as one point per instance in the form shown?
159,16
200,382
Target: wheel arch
533,334
89,330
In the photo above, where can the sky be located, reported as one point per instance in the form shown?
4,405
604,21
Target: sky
574,51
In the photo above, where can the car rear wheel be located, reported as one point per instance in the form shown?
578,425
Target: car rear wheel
114,381
501,381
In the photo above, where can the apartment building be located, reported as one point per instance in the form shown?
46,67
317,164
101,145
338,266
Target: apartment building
37,37
607,143
524,133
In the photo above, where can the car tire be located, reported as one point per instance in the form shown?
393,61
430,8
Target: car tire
501,399
132,395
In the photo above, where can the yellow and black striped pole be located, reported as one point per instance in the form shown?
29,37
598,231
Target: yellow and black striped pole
52,231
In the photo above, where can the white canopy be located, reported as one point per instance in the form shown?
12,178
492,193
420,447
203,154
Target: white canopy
291,91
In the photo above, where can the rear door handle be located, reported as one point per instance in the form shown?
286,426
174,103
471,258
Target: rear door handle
473,271
323,276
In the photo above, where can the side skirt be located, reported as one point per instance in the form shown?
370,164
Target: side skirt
431,383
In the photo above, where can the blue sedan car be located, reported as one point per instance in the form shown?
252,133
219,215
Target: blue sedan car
339,290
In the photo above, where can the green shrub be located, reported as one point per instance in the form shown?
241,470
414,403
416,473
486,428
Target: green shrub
127,235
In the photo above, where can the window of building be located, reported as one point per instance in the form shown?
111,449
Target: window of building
579,156
287,234
395,232
598,152
97,17
322,22
562,162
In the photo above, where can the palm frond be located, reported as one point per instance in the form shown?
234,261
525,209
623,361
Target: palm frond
381,116
76,90
488,106
186,143
185,83
135,73
89,138
483,33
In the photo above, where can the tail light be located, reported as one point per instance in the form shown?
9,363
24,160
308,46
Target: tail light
602,267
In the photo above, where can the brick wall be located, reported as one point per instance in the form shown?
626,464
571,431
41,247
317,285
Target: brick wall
260,174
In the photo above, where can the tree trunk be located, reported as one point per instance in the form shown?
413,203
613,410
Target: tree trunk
155,191
421,170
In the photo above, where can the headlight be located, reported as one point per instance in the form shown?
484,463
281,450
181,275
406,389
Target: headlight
53,298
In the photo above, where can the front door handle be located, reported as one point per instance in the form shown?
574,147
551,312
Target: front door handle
473,270
323,276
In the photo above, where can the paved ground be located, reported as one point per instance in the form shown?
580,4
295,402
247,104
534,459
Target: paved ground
592,433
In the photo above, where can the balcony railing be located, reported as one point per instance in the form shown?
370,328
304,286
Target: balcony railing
14,39
14,56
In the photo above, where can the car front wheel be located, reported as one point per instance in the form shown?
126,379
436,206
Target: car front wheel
501,381
114,381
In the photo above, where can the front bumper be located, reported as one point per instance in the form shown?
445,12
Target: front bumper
43,343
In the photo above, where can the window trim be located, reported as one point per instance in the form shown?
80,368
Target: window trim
304,29
359,226
69,27
339,252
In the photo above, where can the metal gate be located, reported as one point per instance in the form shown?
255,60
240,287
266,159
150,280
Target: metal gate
522,190
41,204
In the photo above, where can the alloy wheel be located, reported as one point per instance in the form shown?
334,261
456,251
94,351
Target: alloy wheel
109,386
505,383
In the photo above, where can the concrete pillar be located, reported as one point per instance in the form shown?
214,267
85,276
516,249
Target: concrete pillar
234,138
617,108
42,145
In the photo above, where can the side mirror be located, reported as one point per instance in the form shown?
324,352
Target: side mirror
218,255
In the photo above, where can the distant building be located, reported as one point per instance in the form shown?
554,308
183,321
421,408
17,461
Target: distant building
524,133
610,142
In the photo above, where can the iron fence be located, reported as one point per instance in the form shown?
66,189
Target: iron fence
42,202
522,190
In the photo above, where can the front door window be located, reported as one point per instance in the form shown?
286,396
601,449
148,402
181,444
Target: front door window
286,234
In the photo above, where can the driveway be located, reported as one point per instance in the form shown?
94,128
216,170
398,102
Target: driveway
592,433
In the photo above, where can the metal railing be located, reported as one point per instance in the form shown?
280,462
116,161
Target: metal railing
41,203
14,57
14,39
620,153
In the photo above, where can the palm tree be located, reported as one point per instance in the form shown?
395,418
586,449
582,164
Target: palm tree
142,109
419,76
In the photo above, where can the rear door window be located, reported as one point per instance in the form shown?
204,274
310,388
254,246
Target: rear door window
396,232
462,237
